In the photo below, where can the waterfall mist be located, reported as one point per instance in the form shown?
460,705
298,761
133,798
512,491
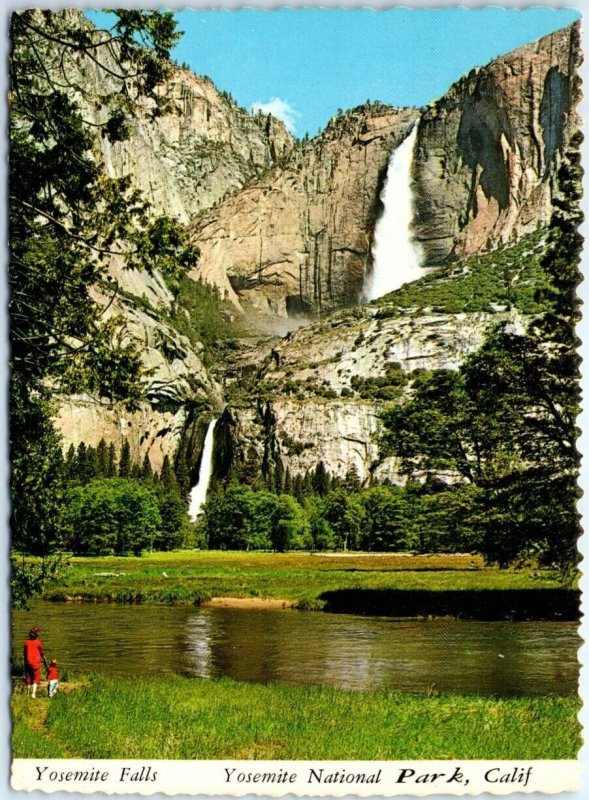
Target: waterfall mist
198,493
397,257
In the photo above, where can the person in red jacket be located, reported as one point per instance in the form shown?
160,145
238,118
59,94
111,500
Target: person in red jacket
34,655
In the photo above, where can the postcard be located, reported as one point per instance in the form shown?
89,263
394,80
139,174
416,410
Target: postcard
294,401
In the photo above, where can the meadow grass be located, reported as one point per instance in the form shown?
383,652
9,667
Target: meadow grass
300,578
181,718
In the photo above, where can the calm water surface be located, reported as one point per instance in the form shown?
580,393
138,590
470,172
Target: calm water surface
276,646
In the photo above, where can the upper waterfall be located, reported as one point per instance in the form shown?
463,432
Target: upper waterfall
198,493
397,257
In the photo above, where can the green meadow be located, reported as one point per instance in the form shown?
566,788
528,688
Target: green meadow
179,718
298,578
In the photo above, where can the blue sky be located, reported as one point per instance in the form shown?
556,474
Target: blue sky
304,64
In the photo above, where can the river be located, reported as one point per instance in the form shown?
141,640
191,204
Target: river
293,647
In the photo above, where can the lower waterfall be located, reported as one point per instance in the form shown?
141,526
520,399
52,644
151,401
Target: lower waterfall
198,493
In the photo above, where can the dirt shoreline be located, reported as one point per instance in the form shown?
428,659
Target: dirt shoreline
248,602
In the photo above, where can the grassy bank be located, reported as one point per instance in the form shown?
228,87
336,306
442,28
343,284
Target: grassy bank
179,718
300,578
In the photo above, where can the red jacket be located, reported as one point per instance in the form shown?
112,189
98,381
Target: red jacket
52,673
34,653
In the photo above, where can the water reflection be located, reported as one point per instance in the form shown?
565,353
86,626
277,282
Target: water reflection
269,646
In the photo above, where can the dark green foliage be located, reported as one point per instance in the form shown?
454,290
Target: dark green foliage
320,480
345,516
167,475
103,460
111,515
174,518
182,476
504,423
37,481
386,523
125,465
431,518
27,580
146,470
320,531
241,518
112,465
387,387
86,464
351,482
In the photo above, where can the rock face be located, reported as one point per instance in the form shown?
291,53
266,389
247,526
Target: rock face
285,229
331,353
298,241
299,434
308,405
205,148
199,150
488,150
177,384
183,161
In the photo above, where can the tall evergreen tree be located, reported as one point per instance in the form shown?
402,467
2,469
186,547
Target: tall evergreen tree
182,475
112,467
70,461
102,455
146,470
288,483
125,465
320,479
92,463
167,475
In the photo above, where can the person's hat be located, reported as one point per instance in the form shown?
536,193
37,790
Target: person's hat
34,632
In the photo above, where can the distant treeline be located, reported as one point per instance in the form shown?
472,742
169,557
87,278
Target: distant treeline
341,516
109,503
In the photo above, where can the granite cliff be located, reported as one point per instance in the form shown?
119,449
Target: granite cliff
488,150
284,229
297,242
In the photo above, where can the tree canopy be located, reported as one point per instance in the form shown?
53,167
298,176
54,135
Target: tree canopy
68,220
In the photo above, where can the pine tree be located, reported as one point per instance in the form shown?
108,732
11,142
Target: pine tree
111,469
288,483
182,476
297,484
351,482
307,486
70,462
81,463
102,455
278,477
320,479
146,470
92,463
125,460
167,475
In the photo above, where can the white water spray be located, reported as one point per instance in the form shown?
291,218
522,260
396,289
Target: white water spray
396,255
198,493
